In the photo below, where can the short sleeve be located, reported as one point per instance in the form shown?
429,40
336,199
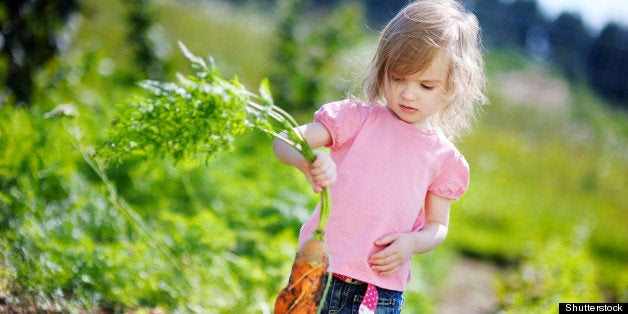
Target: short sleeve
453,179
343,119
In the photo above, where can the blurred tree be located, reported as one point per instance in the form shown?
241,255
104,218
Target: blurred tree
140,19
303,55
496,20
29,38
286,52
525,15
607,64
570,42
380,12
566,41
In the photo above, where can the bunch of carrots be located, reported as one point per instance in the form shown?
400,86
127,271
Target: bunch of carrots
199,116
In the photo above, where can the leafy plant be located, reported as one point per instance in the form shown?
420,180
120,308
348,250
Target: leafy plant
560,271
200,116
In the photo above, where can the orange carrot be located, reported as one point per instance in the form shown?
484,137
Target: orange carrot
308,279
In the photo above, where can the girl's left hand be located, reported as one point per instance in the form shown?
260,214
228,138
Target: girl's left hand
398,251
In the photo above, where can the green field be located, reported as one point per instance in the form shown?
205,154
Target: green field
546,202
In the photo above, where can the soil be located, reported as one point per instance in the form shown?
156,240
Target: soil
470,288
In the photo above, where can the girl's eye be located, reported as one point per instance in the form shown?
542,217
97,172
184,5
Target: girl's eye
427,87
396,78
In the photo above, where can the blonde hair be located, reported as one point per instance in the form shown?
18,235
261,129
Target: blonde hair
409,43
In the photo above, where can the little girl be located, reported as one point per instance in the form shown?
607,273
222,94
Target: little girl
392,169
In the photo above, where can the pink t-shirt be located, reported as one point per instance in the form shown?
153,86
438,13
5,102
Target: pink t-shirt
385,169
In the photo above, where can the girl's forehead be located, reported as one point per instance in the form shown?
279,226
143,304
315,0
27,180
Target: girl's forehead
439,65
435,69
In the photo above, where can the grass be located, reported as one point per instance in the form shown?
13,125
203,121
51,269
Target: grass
538,174
240,39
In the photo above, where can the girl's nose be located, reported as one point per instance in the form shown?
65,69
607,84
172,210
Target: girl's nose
408,92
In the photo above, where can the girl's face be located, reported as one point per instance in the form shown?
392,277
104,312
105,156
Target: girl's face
415,97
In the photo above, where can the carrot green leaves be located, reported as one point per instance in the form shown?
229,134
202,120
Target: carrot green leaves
197,117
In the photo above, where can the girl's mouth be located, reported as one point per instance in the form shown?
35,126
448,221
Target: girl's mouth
407,109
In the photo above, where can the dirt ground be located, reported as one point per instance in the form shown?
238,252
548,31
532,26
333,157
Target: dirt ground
469,289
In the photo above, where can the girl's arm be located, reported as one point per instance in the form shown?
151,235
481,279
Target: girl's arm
320,173
401,246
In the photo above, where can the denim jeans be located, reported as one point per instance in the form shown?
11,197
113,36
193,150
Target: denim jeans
345,298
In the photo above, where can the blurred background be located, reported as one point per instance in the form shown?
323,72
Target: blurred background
543,221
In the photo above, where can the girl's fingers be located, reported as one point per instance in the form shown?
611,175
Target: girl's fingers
387,269
386,265
326,180
382,258
321,172
323,167
324,176
387,239
389,272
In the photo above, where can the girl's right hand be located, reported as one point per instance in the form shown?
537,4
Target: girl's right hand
322,172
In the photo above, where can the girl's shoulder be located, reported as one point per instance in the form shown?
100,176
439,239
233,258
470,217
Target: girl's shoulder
343,119
349,104
345,109
445,140
447,148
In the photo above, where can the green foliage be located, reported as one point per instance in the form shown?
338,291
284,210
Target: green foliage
199,243
536,173
140,20
551,273
178,121
240,38
30,38
429,273
200,115
53,222
305,58
70,241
